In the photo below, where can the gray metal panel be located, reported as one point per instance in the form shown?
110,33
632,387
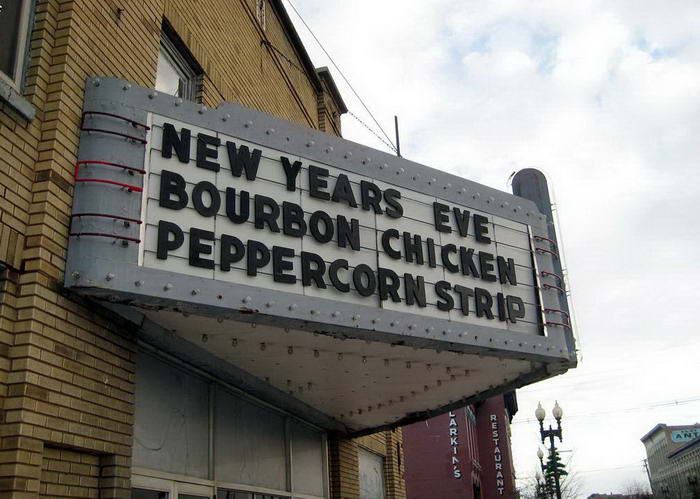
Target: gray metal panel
171,420
307,459
250,443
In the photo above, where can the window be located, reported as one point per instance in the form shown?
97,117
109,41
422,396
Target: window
260,13
14,25
371,475
178,72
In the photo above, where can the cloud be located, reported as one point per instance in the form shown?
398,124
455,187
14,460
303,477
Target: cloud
604,96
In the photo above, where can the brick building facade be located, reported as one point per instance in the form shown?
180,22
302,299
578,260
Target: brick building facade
69,370
463,454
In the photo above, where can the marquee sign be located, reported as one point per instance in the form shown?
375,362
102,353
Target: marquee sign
240,216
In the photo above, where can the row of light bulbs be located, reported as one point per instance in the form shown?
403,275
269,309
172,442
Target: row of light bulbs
387,362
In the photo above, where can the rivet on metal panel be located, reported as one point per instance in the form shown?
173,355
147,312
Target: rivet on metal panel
96,82
375,320
347,155
168,287
447,186
195,292
432,181
248,124
505,342
310,143
126,86
247,299
400,171
292,307
329,149
411,326
429,329
109,276
313,312
335,314
394,323
225,117
178,101
416,177
270,131
138,283
270,304
202,109
367,161
75,275
476,195
151,95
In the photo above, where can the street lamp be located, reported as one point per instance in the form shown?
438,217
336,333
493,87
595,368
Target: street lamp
557,412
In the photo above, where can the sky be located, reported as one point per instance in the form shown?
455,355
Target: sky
602,96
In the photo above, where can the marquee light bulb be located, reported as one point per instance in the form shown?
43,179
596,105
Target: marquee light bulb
263,346
290,350
205,338
234,342
364,359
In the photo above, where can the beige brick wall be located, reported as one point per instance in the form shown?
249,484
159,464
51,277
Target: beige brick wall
66,373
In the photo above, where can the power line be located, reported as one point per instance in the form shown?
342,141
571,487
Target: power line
629,409
390,144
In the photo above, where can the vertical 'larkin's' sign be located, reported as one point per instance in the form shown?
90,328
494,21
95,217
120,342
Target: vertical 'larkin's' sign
454,445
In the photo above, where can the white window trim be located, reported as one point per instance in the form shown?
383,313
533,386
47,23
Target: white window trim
15,80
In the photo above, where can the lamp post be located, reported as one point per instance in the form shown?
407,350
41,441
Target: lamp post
550,434
546,486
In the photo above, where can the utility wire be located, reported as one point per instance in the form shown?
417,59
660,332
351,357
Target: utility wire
629,409
390,144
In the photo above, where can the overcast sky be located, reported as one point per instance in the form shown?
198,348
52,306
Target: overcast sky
604,97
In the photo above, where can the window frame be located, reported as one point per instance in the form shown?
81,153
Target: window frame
181,59
16,80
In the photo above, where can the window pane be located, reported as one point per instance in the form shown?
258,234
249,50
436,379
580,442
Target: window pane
168,78
172,419
148,494
10,17
371,475
307,459
250,445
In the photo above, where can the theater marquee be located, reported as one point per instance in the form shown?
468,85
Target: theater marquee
212,223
